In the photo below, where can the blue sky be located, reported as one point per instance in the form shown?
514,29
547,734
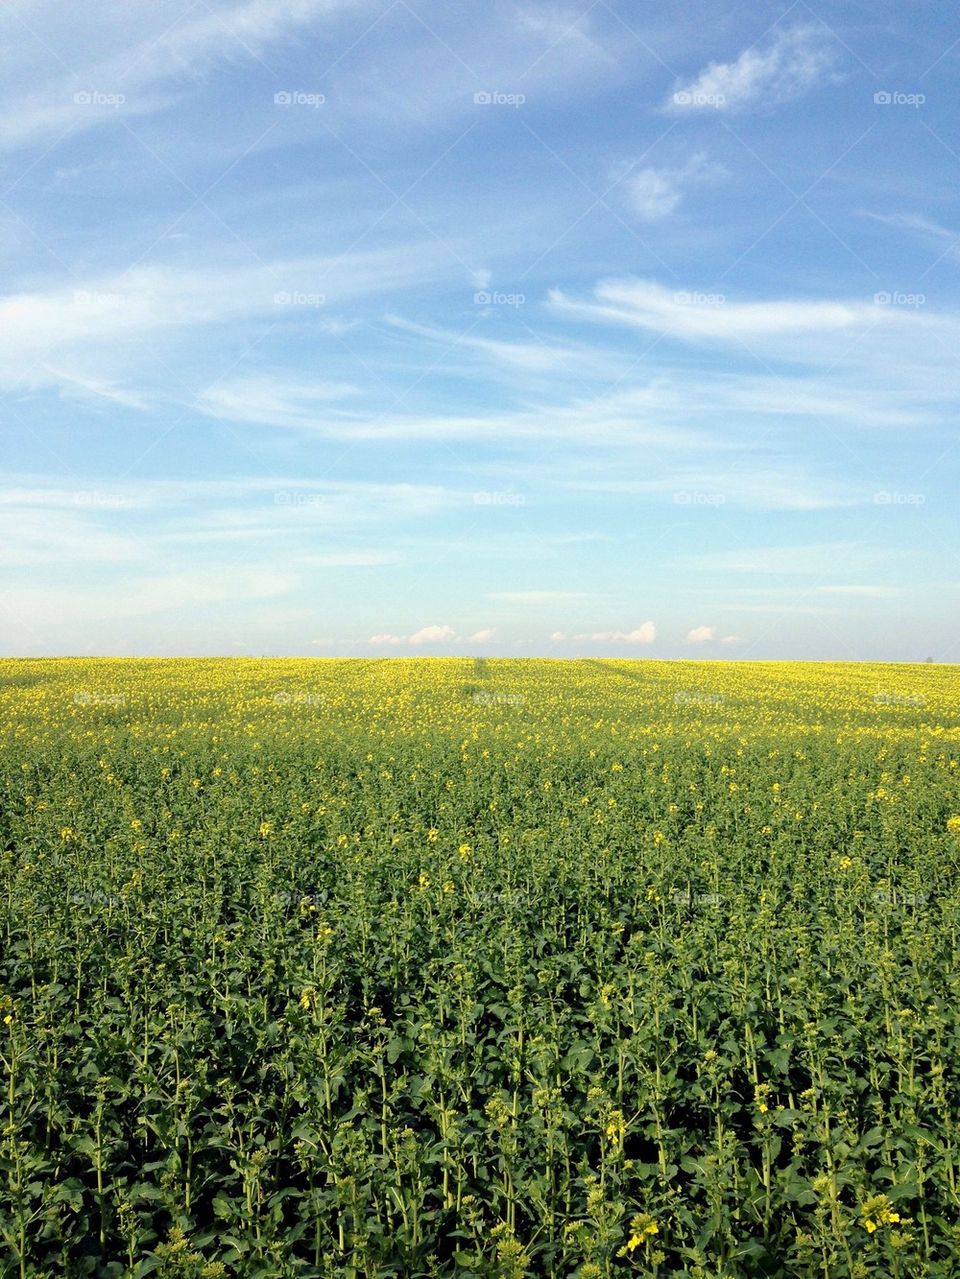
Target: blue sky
359,326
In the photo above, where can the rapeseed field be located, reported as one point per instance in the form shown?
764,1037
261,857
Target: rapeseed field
479,968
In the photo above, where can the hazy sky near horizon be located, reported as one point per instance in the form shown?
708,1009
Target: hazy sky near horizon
401,327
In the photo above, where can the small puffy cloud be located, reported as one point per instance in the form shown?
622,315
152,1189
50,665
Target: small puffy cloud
557,637
655,193
701,634
482,637
426,635
789,65
644,634
433,635
730,639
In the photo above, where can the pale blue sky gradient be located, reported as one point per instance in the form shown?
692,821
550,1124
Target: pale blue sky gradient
358,326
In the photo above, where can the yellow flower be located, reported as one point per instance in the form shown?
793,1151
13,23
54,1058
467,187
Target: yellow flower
642,1228
266,828
877,1212
424,880
953,825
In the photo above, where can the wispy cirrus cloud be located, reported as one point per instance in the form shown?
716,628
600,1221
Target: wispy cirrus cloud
702,316
92,324
792,62
149,59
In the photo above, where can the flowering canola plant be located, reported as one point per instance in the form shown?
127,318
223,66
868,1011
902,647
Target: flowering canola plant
479,968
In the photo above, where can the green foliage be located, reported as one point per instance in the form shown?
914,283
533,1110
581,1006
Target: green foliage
416,968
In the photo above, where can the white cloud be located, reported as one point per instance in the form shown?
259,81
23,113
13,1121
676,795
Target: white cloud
557,637
159,54
271,401
644,634
564,30
622,417
655,193
703,316
386,639
816,558
541,355
433,635
96,325
923,227
791,63
482,637
738,482
730,639
701,634
144,597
